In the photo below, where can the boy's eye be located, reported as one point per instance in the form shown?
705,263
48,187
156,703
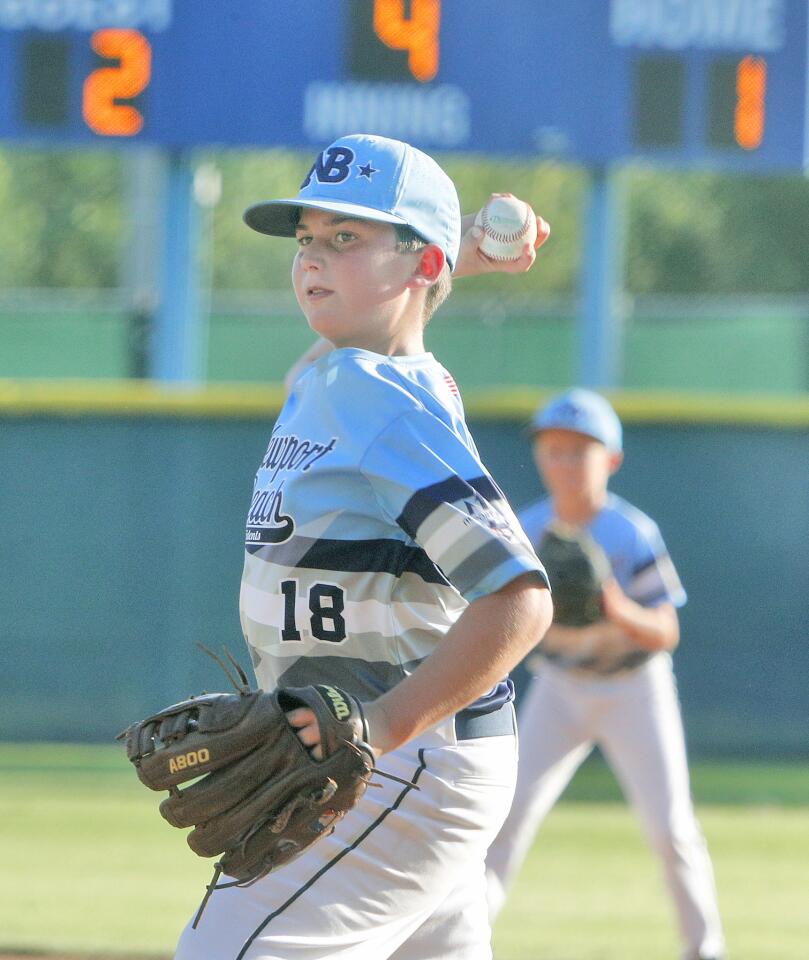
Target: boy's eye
302,240
344,236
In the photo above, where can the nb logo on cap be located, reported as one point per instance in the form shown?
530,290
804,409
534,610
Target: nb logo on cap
332,166
570,411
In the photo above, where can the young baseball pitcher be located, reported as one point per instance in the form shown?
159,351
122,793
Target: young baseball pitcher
608,682
382,558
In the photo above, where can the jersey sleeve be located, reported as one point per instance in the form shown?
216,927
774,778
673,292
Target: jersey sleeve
653,577
534,518
433,486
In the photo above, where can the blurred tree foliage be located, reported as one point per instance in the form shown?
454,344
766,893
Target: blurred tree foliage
61,218
714,234
66,221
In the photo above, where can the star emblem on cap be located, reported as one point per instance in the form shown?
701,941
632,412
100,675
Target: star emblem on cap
366,170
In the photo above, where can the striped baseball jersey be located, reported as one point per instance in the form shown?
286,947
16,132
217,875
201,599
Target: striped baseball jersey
373,524
640,563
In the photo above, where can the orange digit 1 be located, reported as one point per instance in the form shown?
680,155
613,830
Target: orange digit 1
751,90
418,33
122,82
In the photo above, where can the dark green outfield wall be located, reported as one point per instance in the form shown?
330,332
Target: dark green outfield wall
121,546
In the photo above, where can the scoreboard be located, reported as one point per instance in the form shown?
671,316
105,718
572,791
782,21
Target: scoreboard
719,83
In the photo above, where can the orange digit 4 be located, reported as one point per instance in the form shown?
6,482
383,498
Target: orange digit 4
418,33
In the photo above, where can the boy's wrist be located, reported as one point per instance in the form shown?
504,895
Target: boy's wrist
381,739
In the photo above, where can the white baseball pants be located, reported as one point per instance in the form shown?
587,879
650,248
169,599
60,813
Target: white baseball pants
401,877
635,719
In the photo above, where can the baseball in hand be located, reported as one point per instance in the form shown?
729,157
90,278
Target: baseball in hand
507,224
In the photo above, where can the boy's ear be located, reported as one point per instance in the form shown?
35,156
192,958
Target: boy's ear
616,459
430,264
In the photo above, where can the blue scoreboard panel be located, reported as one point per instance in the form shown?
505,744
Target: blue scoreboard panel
720,83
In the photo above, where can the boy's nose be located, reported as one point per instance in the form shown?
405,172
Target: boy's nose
309,258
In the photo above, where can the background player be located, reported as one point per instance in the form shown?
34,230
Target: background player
381,557
609,683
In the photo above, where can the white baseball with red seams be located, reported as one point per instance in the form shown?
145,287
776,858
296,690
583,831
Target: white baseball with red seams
507,225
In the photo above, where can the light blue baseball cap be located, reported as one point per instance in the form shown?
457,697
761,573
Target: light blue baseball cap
582,411
374,178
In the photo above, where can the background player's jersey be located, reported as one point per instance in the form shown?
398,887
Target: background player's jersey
372,525
640,563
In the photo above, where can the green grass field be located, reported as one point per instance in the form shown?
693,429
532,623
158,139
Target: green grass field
90,869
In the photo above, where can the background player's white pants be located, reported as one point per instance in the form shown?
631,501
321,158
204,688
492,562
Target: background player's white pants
401,877
635,719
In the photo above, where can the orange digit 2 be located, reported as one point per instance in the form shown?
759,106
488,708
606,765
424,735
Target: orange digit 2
418,33
105,86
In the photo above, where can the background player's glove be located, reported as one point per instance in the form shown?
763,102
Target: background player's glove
577,569
259,798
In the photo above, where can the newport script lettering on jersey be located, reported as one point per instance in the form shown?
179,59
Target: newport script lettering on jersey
292,453
286,453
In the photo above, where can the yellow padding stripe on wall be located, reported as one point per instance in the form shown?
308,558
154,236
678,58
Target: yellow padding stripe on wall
116,398
654,406
130,398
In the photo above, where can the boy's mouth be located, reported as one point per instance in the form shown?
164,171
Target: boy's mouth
317,293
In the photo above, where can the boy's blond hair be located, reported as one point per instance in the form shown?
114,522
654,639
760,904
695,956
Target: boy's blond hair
408,241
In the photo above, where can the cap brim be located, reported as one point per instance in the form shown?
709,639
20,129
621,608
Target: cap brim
542,427
278,218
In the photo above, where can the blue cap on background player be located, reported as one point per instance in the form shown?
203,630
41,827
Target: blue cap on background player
374,178
583,412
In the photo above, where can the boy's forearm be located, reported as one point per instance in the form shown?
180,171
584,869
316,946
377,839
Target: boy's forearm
572,641
653,628
490,638
318,349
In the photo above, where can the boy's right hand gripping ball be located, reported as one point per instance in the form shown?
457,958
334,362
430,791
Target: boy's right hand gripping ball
507,224
258,798
577,569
